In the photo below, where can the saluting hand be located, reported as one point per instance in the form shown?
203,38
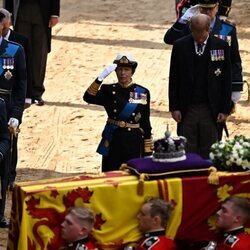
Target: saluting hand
107,70
194,10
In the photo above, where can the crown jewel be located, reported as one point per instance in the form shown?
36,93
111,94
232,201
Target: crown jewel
169,149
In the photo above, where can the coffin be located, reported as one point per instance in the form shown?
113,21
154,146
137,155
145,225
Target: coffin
39,207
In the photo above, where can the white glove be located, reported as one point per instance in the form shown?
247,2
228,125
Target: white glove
192,11
235,97
28,100
13,122
107,70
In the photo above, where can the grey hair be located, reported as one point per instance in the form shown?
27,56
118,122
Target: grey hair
6,13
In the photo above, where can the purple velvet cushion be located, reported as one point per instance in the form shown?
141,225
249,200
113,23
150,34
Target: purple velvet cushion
193,164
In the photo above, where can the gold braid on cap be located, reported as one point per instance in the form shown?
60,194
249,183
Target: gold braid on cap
93,88
148,145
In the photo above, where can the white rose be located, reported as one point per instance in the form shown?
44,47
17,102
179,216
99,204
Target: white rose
245,164
211,156
238,162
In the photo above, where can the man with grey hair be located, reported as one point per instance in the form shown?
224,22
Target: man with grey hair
200,86
76,228
14,36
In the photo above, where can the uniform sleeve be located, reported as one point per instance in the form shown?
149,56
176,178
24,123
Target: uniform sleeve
146,126
225,105
237,79
20,85
4,133
93,94
178,30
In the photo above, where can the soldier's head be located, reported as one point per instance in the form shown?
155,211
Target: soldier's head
200,27
6,21
234,213
209,7
126,65
77,224
154,215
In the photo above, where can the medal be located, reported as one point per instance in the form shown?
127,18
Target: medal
217,55
8,75
12,63
217,72
4,63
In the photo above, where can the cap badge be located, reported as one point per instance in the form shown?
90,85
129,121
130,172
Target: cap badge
124,59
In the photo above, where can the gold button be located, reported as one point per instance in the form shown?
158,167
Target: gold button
113,92
114,101
122,124
133,114
129,129
115,110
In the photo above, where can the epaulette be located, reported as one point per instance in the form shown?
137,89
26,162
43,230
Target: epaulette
229,22
150,242
231,240
14,43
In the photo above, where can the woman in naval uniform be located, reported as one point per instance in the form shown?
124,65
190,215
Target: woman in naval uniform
127,133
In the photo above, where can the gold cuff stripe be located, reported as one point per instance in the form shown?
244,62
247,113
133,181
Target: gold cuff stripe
93,88
148,145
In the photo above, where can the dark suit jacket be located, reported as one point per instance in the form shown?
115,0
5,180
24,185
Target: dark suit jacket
48,9
17,80
181,78
24,41
227,30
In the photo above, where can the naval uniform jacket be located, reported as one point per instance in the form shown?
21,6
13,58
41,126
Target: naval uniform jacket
182,70
4,132
113,97
4,155
13,78
223,30
48,8
156,241
24,41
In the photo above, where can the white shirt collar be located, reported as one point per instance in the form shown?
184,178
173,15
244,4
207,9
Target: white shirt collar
7,35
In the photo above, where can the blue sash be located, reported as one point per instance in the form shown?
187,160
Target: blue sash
109,129
226,29
9,51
